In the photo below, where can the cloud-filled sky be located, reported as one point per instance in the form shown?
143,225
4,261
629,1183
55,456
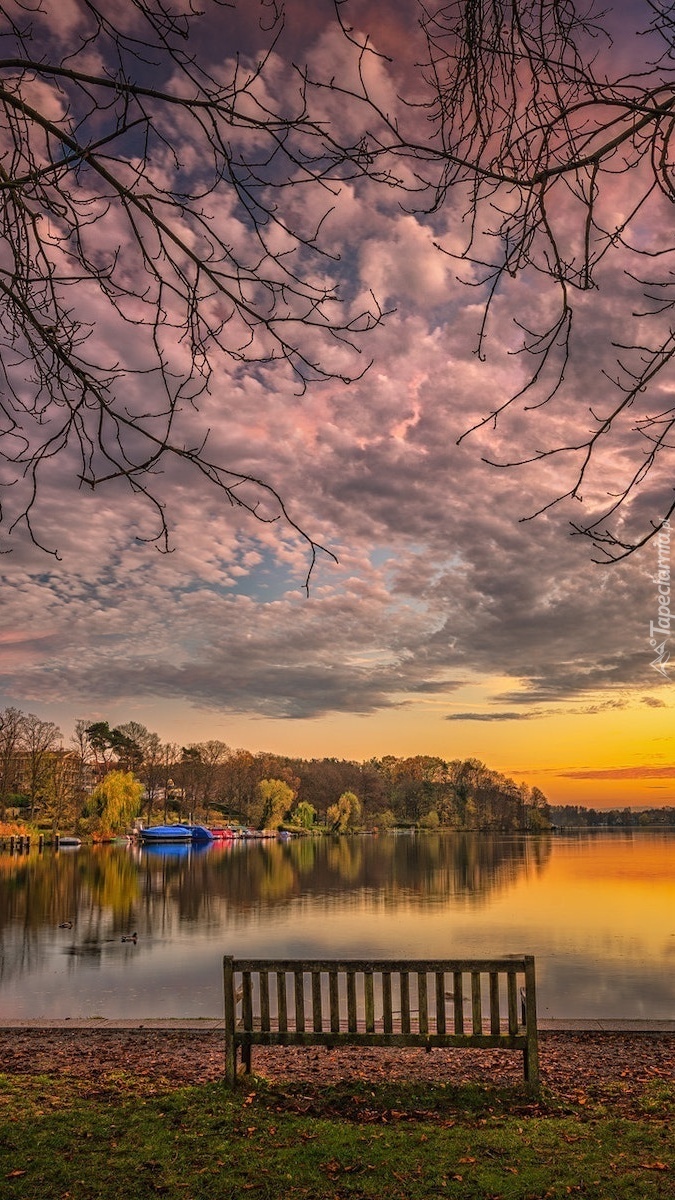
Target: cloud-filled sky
448,625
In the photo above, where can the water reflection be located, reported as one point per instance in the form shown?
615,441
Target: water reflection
105,891
594,910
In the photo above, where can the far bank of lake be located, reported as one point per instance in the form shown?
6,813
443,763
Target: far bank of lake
596,909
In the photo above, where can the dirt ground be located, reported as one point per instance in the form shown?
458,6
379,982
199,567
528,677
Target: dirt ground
612,1067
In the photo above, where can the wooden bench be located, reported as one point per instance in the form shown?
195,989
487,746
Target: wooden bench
430,1003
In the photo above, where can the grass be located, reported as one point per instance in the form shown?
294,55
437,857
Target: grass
129,1142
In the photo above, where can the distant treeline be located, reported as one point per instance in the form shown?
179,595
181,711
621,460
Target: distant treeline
49,782
568,816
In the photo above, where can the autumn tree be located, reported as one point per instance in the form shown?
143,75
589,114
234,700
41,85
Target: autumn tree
141,751
61,791
537,810
321,779
40,738
84,755
114,803
304,814
345,813
240,781
276,800
12,722
102,741
131,741
200,773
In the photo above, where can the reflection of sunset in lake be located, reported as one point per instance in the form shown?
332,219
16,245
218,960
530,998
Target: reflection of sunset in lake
597,911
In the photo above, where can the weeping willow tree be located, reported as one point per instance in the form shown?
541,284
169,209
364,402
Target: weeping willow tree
345,813
113,804
276,798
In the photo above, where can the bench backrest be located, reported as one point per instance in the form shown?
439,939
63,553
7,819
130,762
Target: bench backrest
421,998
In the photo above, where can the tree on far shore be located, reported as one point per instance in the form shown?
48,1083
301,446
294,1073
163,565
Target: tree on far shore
345,814
113,804
276,798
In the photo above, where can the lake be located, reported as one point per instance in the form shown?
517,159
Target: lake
596,909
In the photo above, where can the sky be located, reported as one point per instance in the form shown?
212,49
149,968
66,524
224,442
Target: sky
450,625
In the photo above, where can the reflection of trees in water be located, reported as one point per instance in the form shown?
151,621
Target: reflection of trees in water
110,890
345,859
386,871
222,883
94,889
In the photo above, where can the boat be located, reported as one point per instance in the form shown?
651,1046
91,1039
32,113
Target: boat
155,834
223,835
70,841
201,834
162,834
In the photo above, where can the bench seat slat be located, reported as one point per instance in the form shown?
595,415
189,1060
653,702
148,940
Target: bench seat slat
396,1038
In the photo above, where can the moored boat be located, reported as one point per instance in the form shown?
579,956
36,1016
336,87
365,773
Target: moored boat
201,834
162,834
165,833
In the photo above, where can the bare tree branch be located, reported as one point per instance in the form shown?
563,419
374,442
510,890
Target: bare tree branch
563,170
141,187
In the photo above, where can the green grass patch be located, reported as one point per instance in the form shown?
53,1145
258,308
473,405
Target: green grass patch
410,1142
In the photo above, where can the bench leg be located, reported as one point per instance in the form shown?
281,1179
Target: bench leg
246,1057
531,1053
230,1022
230,1062
531,1066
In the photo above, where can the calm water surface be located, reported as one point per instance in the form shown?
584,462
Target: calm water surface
597,910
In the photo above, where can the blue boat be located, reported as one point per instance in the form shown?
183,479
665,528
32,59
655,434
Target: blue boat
201,834
165,833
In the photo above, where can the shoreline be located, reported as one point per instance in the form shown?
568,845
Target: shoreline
562,1025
